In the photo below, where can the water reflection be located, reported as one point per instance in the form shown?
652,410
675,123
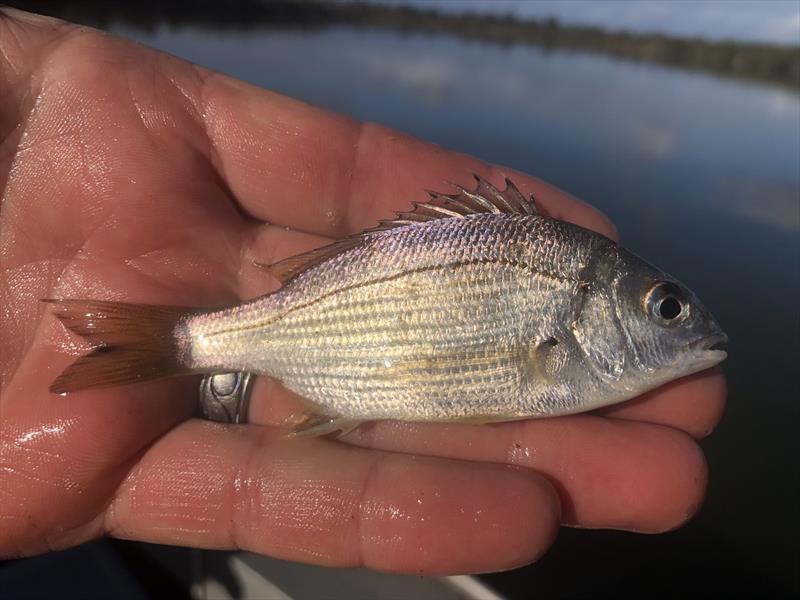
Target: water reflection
771,203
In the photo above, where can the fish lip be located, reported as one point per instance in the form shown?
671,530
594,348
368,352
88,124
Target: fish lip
707,343
706,351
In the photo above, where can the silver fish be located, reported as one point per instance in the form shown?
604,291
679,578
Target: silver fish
473,307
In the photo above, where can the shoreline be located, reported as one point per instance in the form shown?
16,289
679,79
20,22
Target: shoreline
756,61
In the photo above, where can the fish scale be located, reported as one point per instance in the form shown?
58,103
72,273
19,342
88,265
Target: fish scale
483,284
378,311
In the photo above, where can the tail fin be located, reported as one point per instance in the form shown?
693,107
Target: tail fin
136,342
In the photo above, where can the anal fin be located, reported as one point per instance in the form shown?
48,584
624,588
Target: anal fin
316,425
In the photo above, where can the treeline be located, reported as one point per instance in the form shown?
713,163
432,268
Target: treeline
780,64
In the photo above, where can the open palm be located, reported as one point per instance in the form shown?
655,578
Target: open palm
134,176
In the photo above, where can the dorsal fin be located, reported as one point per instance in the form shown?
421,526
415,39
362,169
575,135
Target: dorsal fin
485,198
291,267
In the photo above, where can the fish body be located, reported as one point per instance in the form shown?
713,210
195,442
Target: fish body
474,307
430,321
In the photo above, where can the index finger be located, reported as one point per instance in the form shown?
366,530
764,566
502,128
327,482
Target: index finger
295,165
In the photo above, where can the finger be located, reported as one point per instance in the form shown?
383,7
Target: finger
76,449
20,51
609,474
291,164
693,404
23,37
319,501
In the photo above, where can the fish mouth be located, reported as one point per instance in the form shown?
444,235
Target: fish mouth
709,350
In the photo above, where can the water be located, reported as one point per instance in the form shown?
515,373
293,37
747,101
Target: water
700,173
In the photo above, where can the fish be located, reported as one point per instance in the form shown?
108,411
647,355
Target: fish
474,307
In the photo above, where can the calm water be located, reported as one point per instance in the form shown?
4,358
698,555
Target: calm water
700,173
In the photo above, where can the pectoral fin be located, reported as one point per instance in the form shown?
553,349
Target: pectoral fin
544,359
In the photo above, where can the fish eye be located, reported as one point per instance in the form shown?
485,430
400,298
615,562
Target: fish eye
666,303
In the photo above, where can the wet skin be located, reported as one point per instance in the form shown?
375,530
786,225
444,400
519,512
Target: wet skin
131,175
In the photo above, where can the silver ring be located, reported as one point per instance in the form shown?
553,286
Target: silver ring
225,397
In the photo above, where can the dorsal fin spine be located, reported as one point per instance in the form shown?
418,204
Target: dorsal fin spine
514,197
440,211
482,201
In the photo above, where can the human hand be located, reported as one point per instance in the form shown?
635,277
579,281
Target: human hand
134,176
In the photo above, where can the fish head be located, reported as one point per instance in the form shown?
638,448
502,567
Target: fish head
640,327
669,332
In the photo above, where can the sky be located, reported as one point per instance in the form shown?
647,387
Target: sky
772,21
